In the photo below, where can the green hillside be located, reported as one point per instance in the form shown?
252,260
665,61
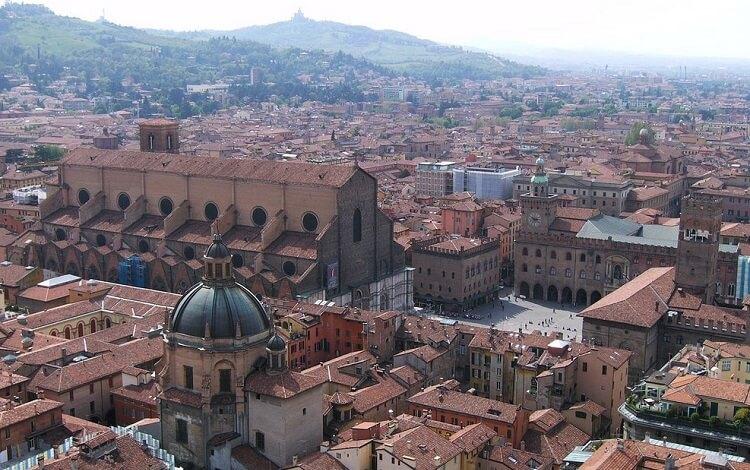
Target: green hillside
46,47
392,49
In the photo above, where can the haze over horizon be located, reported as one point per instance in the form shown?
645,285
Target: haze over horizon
657,27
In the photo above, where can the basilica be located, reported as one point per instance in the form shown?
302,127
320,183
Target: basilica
225,384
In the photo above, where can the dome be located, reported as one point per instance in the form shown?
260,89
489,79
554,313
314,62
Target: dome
276,343
220,308
643,132
217,249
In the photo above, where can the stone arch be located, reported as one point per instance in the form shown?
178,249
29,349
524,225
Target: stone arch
538,292
595,297
92,325
92,272
67,332
523,289
72,268
552,293
566,296
581,297
51,264
80,331
385,301
157,283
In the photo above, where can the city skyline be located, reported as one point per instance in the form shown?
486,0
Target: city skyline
635,28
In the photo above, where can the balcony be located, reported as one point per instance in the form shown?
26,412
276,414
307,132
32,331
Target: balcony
645,416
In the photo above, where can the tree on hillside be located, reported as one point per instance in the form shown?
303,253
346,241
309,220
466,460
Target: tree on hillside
634,136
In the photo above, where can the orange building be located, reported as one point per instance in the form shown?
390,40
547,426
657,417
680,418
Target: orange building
446,404
462,218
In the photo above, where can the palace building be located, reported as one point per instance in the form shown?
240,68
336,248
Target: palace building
295,230
579,255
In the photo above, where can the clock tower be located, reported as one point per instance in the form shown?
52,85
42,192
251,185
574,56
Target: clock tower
538,206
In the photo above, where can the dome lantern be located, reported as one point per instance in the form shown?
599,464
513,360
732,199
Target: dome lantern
218,307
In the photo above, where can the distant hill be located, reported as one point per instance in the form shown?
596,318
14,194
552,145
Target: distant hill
398,51
46,47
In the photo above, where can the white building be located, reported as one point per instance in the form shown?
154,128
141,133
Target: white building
485,183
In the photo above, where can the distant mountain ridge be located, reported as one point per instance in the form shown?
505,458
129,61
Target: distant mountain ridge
395,50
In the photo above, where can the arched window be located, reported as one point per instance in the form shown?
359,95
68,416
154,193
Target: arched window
568,272
538,269
617,272
553,255
107,322
582,274
524,268
67,332
357,226
568,256
538,253
101,240
552,271
80,330
583,258
525,251
169,141
92,325
151,141
598,259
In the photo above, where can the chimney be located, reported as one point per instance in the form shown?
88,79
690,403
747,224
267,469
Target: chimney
437,461
64,353
522,446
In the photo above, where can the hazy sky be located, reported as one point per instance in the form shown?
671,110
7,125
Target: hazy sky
696,28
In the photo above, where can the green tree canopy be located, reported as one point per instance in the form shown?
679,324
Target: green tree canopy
634,136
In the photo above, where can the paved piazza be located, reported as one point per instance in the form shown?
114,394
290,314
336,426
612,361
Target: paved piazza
529,316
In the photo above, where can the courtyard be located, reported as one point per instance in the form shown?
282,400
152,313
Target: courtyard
526,315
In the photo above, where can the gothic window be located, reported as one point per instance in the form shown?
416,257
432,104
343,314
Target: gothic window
598,259
538,253
553,255
568,272
582,274
617,272
538,269
525,251
357,226
583,257
568,256
597,275
552,271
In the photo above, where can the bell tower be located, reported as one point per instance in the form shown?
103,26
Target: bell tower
698,245
159,135
538,206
